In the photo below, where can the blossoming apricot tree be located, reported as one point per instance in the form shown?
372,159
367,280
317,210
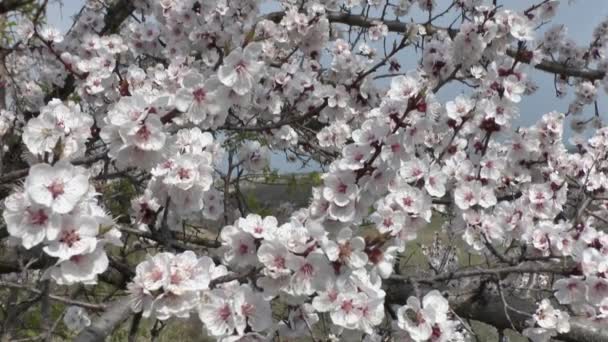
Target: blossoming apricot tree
124,139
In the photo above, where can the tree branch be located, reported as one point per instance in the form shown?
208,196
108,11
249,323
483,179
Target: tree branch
13,5
105,324
486,310
60,299
180,236
402,27
486,271
482,305
18,174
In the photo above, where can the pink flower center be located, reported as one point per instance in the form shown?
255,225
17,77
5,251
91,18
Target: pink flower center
436,331
347,306
342,188
38,217
156,275
70,237
407,201
243,248
176,278
375,256
224,313
469,197
307,269
279,262
199,95
183,173
143,133
56,188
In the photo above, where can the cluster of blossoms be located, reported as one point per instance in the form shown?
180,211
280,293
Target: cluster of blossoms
429,320
168,285
293,267
60,131
134,131
58,209
549,322
83,53
299,264
186,178
201,77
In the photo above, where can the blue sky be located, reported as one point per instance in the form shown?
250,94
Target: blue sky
581,17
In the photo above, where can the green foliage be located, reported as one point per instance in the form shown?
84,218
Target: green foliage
271,176
255,206
117,197
292,185
174,330
315,178
33,323
74,97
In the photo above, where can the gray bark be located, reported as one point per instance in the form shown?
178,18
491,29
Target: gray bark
117,313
